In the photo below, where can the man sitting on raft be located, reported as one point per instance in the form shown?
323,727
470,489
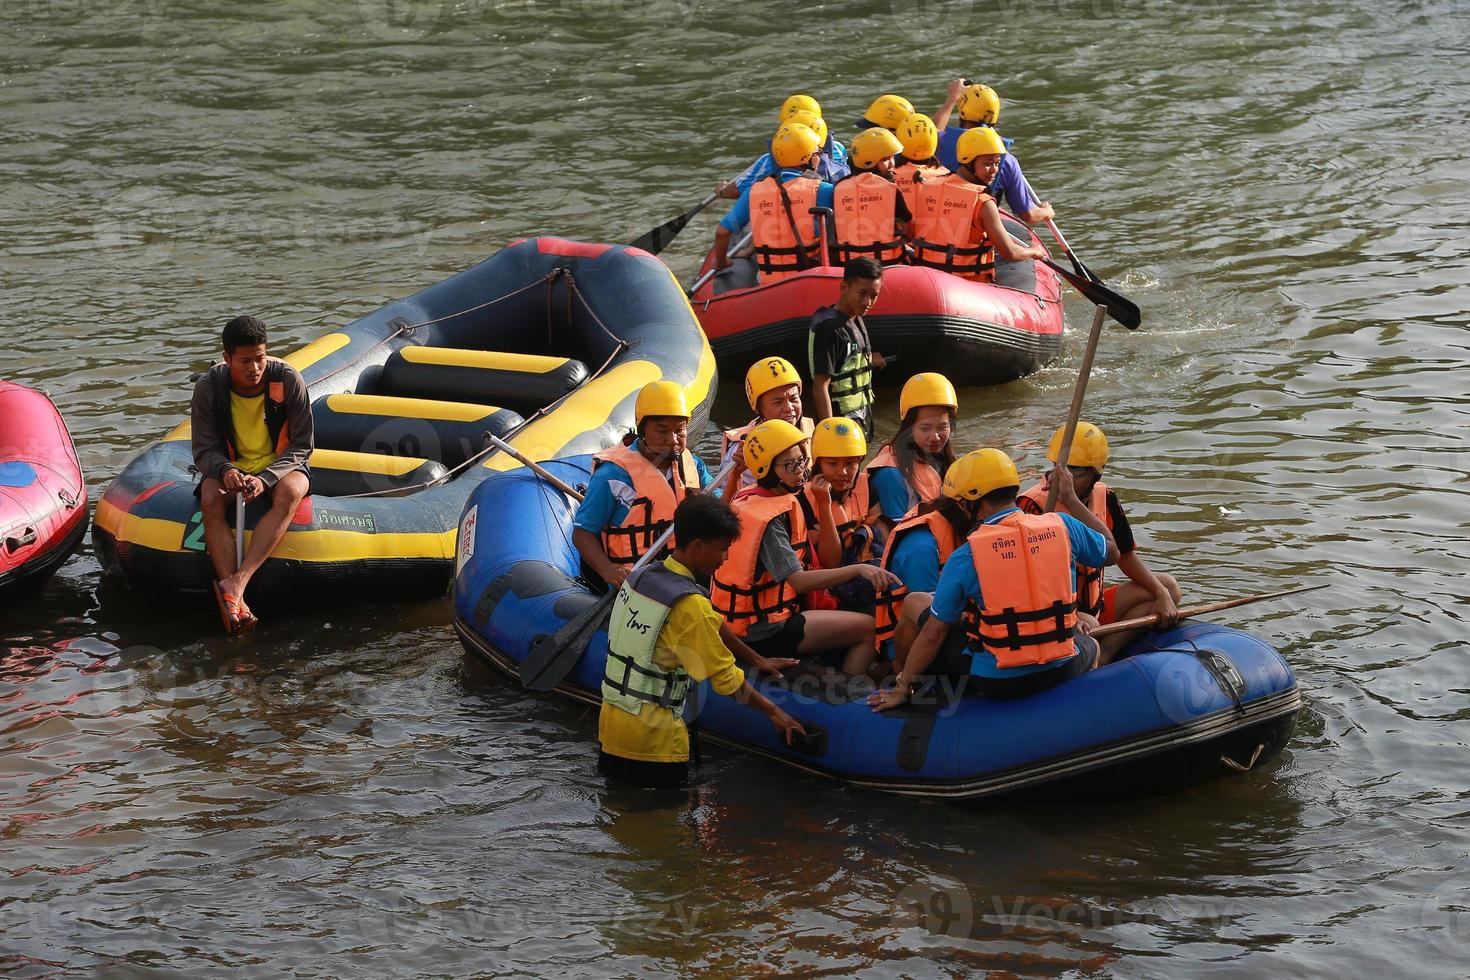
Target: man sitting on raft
252,436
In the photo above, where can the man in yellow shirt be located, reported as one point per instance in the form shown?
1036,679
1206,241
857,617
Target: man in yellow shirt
664,636
251,436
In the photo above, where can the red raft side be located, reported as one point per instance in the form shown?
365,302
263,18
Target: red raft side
43,501
973,333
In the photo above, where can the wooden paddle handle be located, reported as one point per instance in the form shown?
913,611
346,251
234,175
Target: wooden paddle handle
1209,607
1074,412
533,466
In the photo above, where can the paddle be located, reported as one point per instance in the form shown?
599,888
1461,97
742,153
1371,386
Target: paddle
712,272
533,466
1056,233
656,239
552,657
1209,607
1118,306
1074,411
239,530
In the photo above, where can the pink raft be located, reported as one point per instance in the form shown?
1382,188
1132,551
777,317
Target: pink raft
43,501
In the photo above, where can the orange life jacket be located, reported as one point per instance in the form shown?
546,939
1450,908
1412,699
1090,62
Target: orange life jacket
1089,580
864,207
736,435
652,509
849,515
927,482
778,253
742,592
947,234
1024,564
907,177
890,604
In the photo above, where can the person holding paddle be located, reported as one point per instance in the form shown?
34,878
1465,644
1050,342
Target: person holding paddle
664,636
785,237
636,487
979,107
1146,592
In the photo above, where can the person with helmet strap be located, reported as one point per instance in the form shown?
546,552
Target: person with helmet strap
831,166
887,112
636,486
662,637
758,589
910,467
838,507
917,163
773,389
870,216
839,350
917,550
979,106
957,225
1013,583
1146,592
784,233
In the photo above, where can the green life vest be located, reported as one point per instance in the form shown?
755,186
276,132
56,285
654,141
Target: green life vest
631,678
851,388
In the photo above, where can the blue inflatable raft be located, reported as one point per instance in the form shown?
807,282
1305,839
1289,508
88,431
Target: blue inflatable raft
1185,705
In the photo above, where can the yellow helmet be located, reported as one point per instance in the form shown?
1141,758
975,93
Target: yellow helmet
979,104
811,120
768,373
1089,446
977,473
838,438
919,136
871,146
800,103
888,111
926,389
980,141
660,398
793,145
767,441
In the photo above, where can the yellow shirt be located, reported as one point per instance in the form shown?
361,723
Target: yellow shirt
253,449
690,639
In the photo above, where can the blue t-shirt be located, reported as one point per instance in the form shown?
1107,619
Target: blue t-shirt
832,166
959,585
1009,186
916,560
609,492
895,496
739,215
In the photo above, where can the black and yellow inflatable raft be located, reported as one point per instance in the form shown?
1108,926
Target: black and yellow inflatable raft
544,344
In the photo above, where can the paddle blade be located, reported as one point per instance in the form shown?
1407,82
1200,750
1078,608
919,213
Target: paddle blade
552,657
1119,307
656,239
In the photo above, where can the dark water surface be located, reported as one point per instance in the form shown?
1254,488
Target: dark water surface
1282,186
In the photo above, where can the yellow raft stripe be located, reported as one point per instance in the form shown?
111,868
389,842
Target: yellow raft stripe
373,463
413,408
316,350
316,546
493,360
590,405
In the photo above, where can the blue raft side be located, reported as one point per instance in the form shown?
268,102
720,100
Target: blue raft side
1160,687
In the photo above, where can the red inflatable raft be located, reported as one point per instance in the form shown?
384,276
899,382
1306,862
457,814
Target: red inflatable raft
973,333
43,501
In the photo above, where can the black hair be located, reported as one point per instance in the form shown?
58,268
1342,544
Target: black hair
861,267
702,517
1001,496
243,331
908,453
960,517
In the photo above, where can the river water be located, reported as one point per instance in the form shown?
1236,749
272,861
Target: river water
1283,188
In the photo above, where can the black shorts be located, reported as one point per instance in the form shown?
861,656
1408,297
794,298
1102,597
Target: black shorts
783,641
1007,688
953,659
646,775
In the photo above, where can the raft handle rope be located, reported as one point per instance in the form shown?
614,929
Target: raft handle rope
1230,763
491,447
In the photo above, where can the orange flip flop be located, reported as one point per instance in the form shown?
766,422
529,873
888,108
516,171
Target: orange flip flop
232,612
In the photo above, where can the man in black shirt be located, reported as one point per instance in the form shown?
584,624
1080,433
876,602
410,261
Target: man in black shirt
839,350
